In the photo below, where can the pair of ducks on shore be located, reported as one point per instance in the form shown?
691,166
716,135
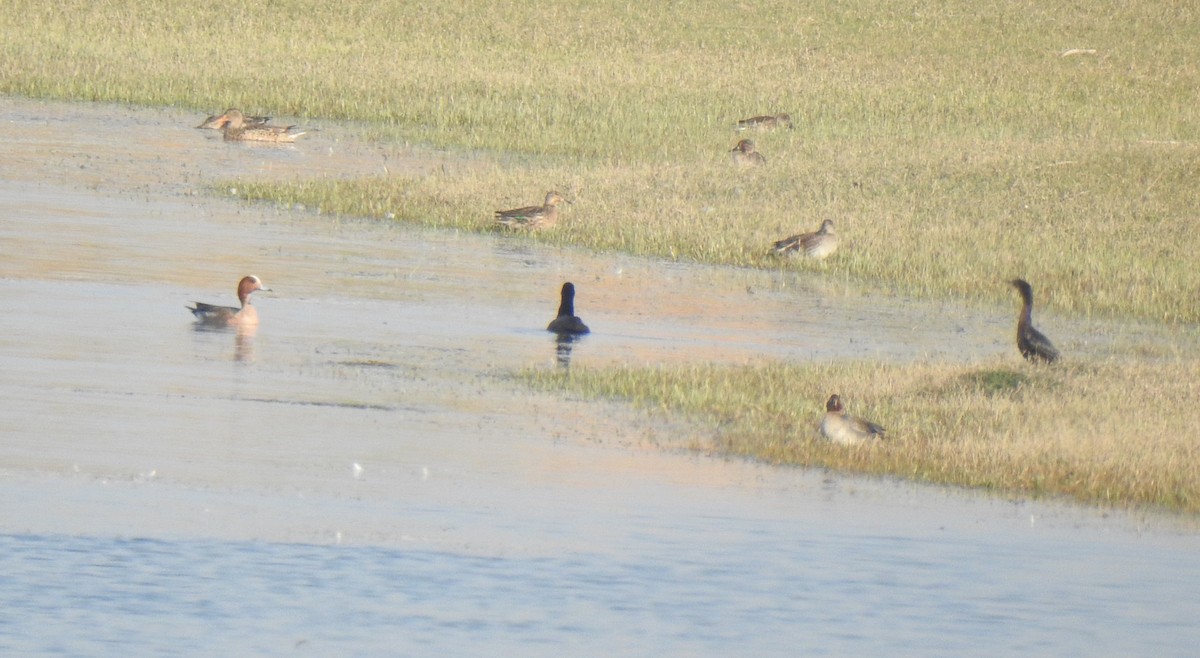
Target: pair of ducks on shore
238,127
840,427
817,244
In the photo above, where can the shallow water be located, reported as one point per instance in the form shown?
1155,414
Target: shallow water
360,477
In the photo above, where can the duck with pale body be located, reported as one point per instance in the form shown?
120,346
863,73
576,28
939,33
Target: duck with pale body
238,129
819,244
212,315
844,429
532,217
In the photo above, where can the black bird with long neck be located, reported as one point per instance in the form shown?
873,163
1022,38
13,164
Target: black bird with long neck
567,323
1034,346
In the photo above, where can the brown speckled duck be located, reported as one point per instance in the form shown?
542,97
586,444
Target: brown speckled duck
532,217
1034,346
844,429
765,122
228,316
818,244
745,155
219,121
237,129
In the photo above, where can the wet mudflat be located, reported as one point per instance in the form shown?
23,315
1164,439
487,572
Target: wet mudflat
359,477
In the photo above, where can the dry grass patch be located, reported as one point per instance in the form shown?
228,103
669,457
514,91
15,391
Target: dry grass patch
1115,432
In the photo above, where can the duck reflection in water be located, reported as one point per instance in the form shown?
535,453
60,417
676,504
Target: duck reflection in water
563,344
243,344
566,326
243,338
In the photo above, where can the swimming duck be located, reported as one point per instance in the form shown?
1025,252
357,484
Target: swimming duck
818,244
744,154
533,217
1033,344
765,122
844,429
237,129
229,316
567,322
219,121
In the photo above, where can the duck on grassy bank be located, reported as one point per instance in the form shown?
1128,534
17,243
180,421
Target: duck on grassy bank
532,217
819,244
765,122
844,429
745,154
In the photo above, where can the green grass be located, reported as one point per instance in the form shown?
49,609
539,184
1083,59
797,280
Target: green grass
953,142
1117,433
1104,231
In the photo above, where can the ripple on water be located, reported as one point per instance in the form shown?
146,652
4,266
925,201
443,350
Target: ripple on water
79,595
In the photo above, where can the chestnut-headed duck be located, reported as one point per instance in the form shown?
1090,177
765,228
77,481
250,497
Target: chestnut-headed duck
744,154
765,122
229,316
219,121
818,244
1034,346
533,217
567,323
238,129
844,429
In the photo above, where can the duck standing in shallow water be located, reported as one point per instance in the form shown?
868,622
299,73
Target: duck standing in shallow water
533,217
765,122
818,244
745,155
567,323
219,121
1034,346
238,129
844,429
210,315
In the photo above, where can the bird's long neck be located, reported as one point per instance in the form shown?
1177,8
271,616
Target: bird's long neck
1026,317
566,305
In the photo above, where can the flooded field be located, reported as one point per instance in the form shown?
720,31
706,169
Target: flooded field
359,476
